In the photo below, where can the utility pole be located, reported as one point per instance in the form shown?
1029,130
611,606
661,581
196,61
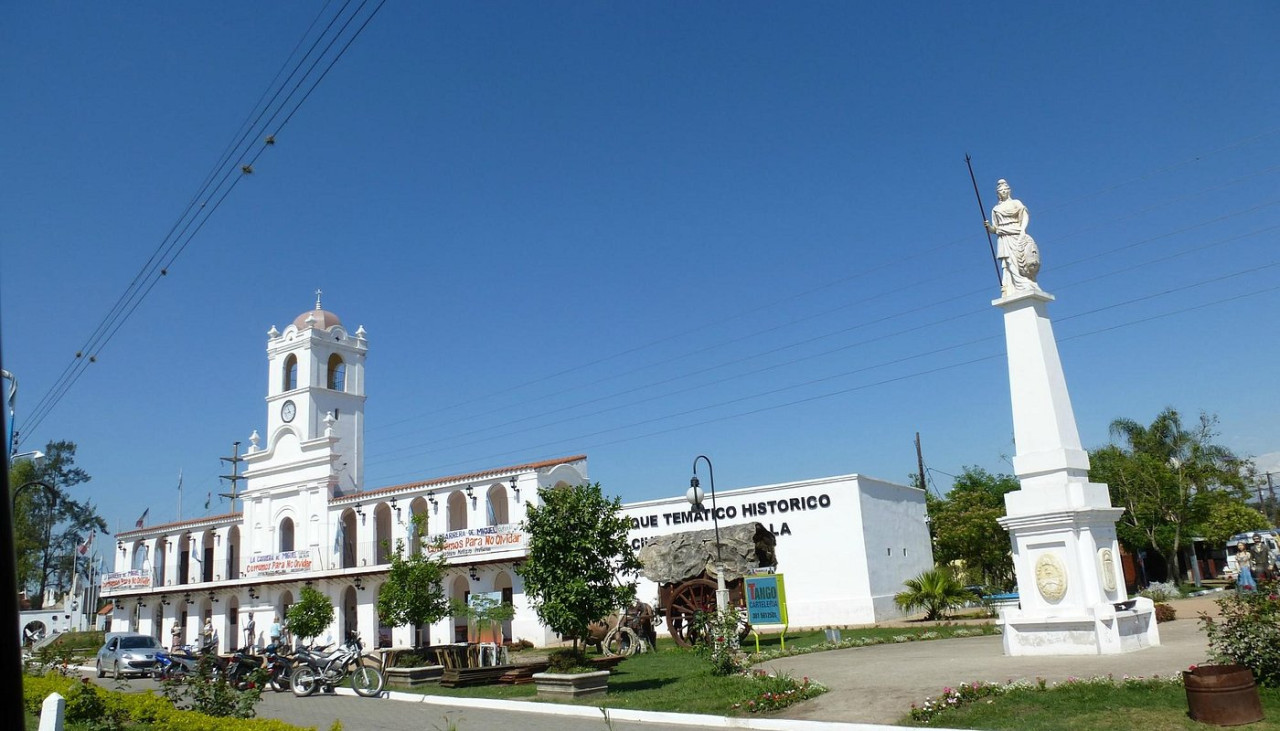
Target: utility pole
920,463
1271,490
235,477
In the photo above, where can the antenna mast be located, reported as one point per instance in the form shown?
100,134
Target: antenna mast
235,477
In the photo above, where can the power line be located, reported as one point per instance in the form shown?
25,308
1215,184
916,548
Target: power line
898,261
501,409
829,394
418,448
173,245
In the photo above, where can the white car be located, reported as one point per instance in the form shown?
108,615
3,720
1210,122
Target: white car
127,653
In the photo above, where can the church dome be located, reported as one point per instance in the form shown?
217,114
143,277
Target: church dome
317,318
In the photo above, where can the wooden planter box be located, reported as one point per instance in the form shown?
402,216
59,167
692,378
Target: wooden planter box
571,685
412,677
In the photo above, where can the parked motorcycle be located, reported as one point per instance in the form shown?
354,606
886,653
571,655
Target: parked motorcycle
279,667
316,668
241,669
179,663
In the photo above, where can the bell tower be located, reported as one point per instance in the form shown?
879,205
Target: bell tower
315,398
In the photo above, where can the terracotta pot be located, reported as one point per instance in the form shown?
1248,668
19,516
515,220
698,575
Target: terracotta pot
1223,695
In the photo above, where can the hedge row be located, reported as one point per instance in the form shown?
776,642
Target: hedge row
90,704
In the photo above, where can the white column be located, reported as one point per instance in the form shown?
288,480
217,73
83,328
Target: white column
1072,598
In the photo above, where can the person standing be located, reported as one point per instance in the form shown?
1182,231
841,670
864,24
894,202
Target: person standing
1244,572
1261,560
274,632
175,635
250,632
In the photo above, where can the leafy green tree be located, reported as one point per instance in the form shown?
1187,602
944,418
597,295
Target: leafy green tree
50,525
580,565
414,591
311,615
1226,515
1162,475
937,591
965,530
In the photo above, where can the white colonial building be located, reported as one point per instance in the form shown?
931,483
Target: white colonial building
844,544
305,518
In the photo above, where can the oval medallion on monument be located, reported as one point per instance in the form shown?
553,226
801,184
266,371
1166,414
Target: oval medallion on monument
1107,559
1051,577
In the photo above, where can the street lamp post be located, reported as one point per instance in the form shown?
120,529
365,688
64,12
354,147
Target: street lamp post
695,496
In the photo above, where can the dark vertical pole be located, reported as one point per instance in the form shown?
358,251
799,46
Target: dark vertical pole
920,463
10,617
1271,490
982,211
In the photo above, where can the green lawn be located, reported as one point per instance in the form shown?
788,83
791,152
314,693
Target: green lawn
1085,707
676,679
667,680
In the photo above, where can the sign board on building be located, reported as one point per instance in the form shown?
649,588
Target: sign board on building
273,564
480,541
766,599
125,580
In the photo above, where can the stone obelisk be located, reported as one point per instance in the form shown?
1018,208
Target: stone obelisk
1072,598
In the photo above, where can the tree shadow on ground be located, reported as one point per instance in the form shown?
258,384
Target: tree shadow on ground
645,684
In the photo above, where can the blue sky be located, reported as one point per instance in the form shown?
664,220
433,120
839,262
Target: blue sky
641,231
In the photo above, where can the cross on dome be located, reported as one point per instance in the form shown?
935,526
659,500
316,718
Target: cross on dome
318,299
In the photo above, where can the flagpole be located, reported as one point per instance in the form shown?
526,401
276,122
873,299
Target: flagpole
179,493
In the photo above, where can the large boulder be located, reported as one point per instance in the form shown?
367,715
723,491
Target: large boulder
680,556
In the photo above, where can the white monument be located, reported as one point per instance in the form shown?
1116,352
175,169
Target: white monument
1062,527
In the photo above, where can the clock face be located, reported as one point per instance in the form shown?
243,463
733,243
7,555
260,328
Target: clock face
288,411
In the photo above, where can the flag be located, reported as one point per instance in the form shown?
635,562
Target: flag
207,501
84,547
339,537
143,517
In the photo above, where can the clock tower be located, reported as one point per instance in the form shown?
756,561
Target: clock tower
315,406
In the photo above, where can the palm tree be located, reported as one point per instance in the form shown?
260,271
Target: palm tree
936,591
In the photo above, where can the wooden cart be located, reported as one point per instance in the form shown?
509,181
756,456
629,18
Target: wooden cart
680,604
681,566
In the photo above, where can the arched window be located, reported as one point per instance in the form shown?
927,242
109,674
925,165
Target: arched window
290,373
337,380
496,505
286,535
457,510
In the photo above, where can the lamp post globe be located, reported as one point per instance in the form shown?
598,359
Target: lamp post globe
694,496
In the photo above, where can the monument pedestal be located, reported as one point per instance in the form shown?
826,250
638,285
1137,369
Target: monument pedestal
1066,557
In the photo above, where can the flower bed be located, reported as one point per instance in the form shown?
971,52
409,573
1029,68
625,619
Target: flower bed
777,691
963,695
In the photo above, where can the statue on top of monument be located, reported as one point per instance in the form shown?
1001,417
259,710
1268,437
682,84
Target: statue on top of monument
1019,257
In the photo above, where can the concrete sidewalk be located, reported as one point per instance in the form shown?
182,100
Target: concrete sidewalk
878,684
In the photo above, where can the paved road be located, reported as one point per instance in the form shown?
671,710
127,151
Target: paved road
419,713
878,684
869,686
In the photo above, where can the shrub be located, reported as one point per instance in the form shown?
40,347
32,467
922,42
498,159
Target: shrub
210,694
775,692
413,659
569,660
1161,591
120,709
1248,632
1165,613
718,634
